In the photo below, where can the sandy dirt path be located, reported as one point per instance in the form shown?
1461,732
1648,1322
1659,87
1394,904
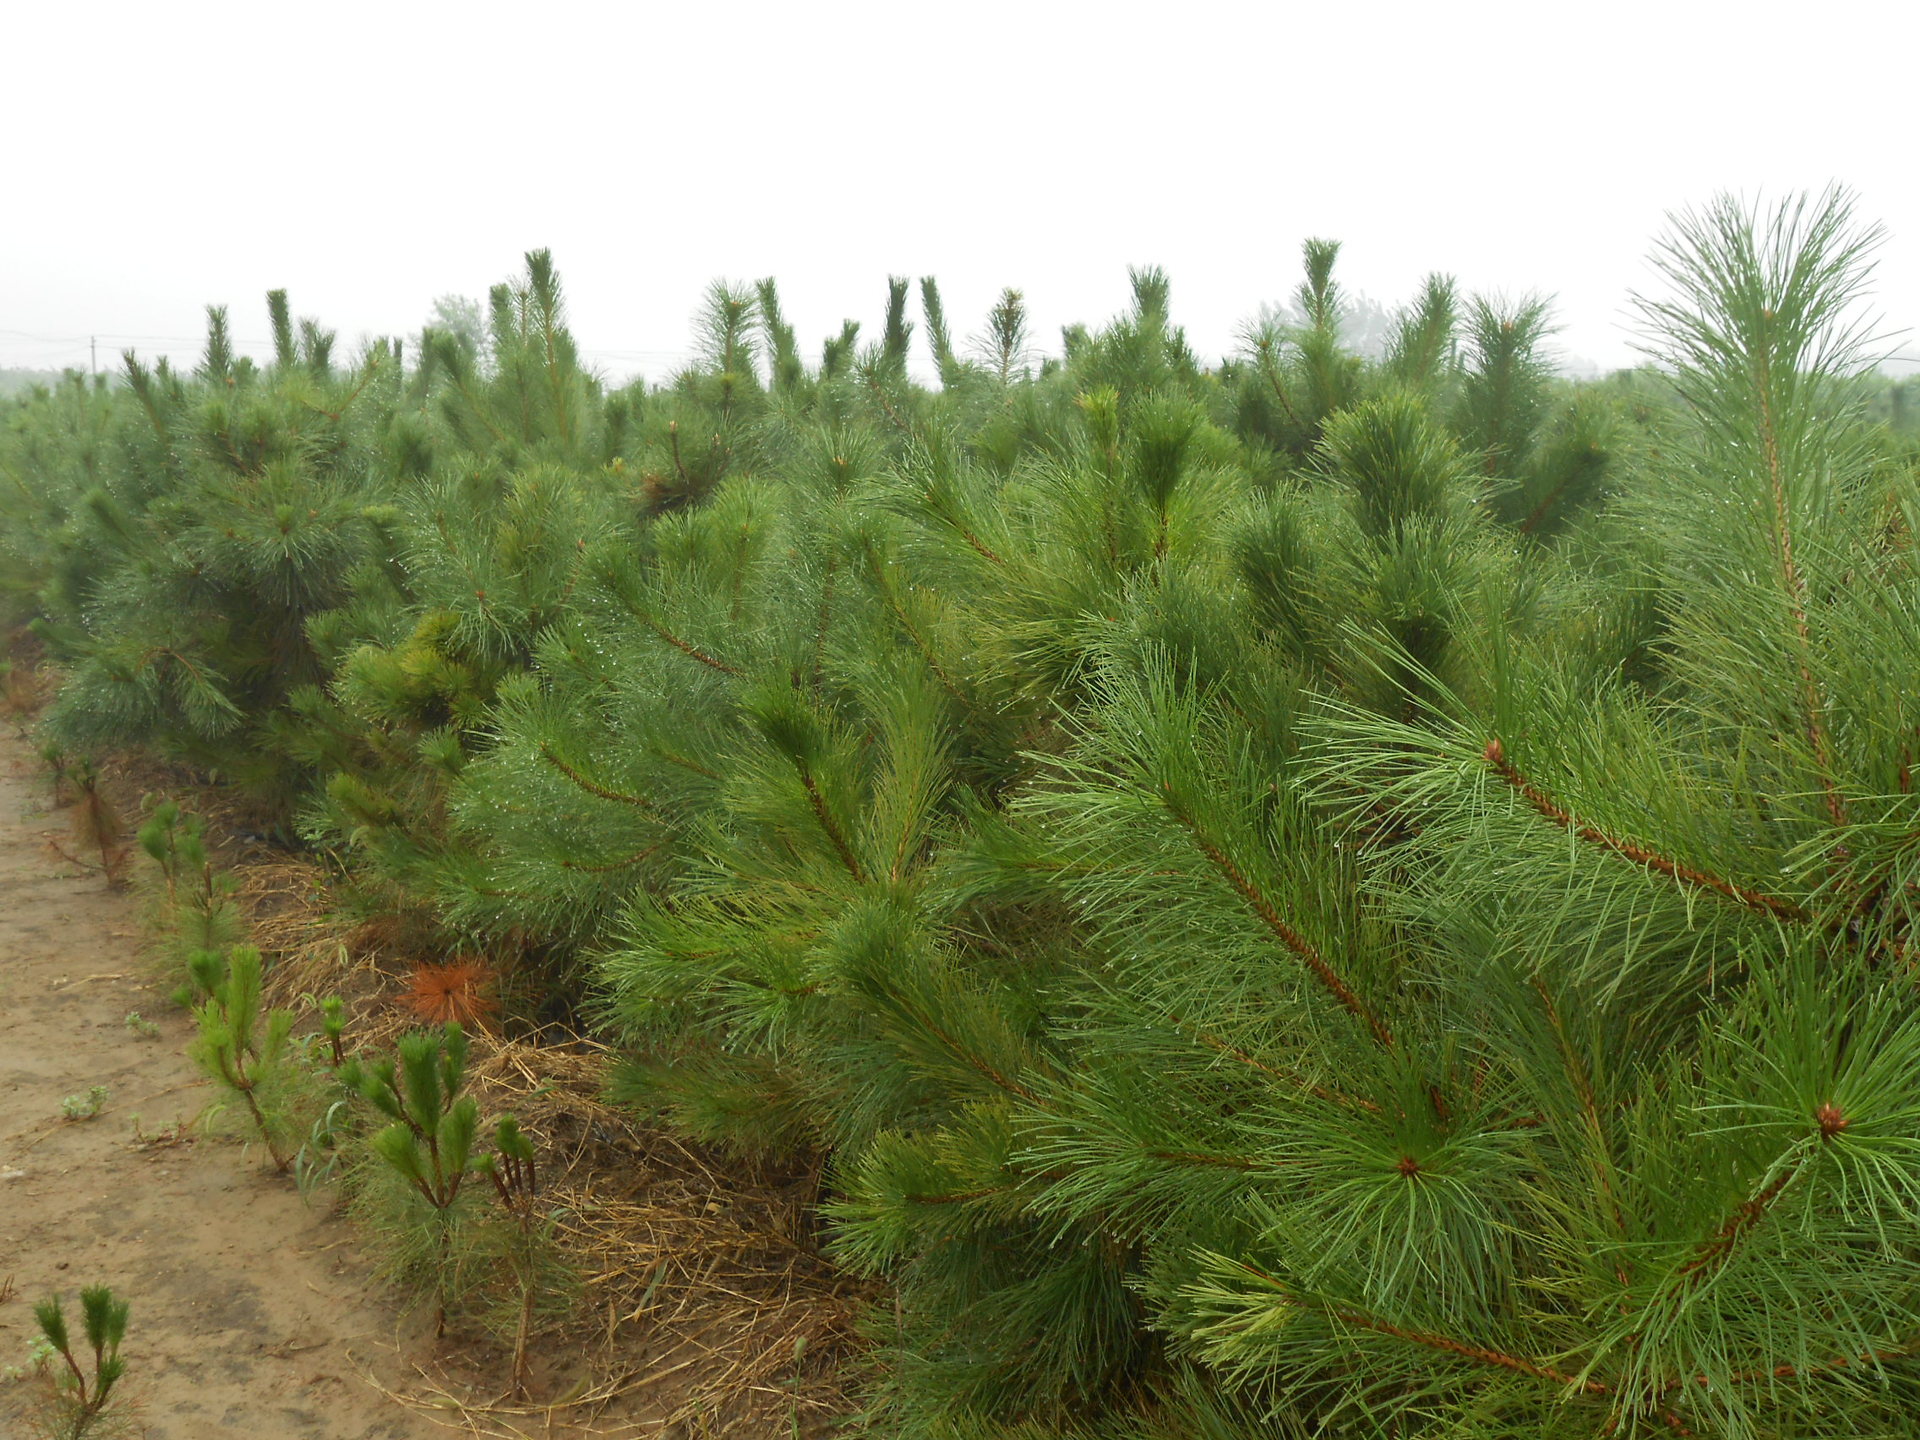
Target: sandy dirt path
251,1312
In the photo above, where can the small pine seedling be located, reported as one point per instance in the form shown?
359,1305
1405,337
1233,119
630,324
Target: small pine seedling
531,1256
97,824
79,1400
251,1060
333,1025
429,1146
197,911
55,759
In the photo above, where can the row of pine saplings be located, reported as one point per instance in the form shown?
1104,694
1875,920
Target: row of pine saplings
456,1221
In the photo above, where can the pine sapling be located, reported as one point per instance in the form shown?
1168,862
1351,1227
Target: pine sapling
429,1147
160,838
333,1026
198,911
319,1156
527,1234
55,759
80,1400
252,1060
97,825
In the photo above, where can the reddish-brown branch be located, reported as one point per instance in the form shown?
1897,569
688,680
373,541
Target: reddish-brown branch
1539,512
1268,367
673,440
685,649
824,623
1199,1157
1712,1252
591,787
1543,804
1799,1372
686,764
627,864
978,545
60,851
1432,1340
1487,1355
1291,938
880,394
958,1197
878,567
973,1061
1484,1354
1589,1110
1812,701
827,823
1318,1092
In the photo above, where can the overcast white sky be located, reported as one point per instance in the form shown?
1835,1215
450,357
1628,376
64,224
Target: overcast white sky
369,157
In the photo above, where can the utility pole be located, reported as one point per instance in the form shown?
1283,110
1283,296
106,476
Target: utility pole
93,354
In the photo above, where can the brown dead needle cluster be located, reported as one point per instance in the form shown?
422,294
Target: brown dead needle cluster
459,989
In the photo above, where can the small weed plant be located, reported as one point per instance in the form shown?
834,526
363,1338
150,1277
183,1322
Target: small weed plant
84,1105
141,1027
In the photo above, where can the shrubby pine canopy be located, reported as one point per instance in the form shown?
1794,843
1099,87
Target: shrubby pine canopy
1309,896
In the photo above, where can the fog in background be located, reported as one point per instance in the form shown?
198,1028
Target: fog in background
370,158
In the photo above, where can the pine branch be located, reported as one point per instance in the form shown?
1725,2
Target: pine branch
1540,511
620,797
1318,1092
1589,1110
607,869
1718,1248
1264,343
1430,1339
886,405
683,647
1197,1157
824,622
957,1197
827,822
685,764
1799,1372
1269,914
966,1056
1496,758
941,506
1811,698
879,570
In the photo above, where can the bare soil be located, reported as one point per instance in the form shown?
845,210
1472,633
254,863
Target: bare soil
252,1312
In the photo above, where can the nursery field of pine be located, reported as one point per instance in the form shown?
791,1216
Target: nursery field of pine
1307,895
